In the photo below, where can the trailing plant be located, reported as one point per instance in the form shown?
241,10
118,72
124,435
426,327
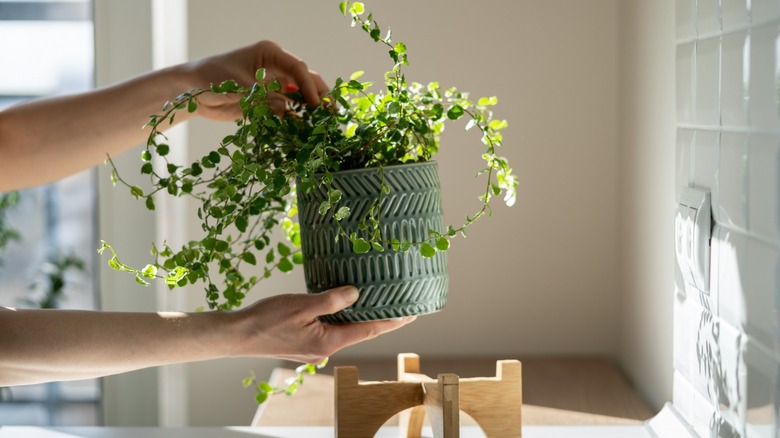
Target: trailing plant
246,185
53,284
290,386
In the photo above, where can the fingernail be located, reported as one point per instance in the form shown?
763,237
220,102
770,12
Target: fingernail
404,319
353,294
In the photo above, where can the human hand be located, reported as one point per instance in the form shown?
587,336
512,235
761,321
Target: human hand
286,326
241,65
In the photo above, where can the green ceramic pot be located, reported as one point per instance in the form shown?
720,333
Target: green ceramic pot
392,283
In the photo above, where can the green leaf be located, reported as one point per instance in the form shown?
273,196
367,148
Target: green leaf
114,264
342,213
147,168
141,281
356,75
297,258
442,243
324,207
285,265
455,112
334,196
487,101
136,192
246,382
400,48
175,276
221,246
260,75
360,246
149,203
163,149
357,8
249,258
393,108
228,86
377,247
427,251
283,249
149,271
169,264
261,397
270,257
192,106
242,223
498,124
343,8
265,386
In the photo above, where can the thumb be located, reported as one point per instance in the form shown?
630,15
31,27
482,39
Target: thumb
333,300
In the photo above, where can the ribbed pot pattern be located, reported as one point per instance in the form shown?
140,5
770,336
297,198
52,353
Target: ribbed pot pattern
392,283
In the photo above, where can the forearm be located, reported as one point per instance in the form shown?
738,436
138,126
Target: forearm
46,345
48,139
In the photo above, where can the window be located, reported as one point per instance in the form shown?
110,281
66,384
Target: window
46,49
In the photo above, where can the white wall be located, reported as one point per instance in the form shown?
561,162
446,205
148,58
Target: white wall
647,195
540,278
727,371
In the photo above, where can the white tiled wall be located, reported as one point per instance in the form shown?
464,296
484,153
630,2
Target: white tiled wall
727,339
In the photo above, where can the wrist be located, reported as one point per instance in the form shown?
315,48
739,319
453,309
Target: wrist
218,333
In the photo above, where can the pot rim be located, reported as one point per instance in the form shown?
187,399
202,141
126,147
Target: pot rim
391,167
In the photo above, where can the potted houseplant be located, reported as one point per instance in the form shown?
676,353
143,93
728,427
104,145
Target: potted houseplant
357,172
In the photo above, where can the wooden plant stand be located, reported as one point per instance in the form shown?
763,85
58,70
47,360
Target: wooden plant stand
495,403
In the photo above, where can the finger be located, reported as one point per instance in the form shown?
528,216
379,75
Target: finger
311,84
333,300
348,334
319,83
278,105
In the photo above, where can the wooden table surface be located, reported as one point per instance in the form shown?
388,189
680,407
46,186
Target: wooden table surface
556,391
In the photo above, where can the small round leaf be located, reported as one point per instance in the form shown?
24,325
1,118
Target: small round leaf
427,250
360,246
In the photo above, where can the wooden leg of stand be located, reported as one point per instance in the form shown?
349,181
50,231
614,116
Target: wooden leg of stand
361,409
443,407
496,403
410,421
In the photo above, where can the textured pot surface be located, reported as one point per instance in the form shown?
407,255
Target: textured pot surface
392,283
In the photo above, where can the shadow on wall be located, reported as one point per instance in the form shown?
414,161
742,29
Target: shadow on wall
735,376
